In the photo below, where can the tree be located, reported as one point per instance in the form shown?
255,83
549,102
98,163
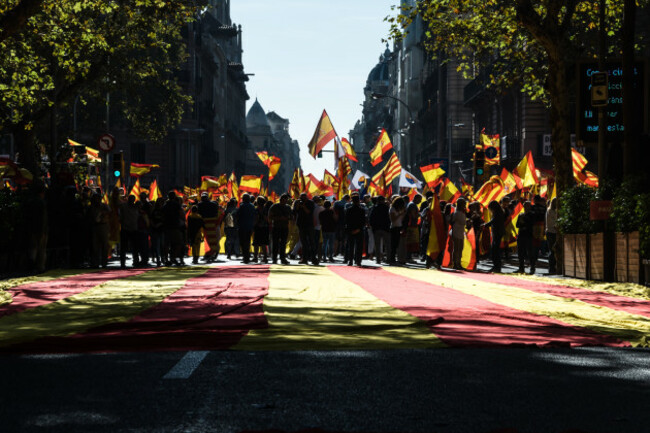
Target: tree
91,46
524,43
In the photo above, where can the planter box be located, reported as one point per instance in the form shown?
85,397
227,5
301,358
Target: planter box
628,259
569,255
582,256
597,256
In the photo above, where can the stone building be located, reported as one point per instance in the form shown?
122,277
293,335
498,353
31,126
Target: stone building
270,133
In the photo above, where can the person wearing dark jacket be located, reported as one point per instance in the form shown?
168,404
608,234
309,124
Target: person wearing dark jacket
355,221
380,225
327,220
498,226
245,219
195,227
525,237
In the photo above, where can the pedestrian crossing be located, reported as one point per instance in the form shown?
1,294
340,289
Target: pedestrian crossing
260,307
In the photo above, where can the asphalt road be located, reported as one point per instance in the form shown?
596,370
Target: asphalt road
444,390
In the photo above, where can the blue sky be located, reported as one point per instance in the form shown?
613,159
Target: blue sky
310,55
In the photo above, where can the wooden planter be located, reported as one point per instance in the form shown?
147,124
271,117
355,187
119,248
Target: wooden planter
597,256
628,259
576,255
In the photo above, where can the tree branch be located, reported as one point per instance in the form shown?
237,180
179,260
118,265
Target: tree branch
14,21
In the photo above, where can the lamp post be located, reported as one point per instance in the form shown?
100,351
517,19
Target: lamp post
450,139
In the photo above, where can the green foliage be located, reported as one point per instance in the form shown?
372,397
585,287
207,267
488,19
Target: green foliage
95,46
573,212
625,215
643,215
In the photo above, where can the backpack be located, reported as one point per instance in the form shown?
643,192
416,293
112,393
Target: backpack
229,221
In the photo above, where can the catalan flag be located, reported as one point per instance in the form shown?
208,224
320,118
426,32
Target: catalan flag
432,174
138,170
393,169
344,168
466,188
92,155
382,146
493,189
298,184
154,191
581,175
136,190
324,134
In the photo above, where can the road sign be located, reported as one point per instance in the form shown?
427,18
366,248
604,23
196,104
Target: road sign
106,142
599,92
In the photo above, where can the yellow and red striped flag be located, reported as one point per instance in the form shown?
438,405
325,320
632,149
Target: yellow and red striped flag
298,184
382,146
251,184
432,174
509,181
316,187
272,162
136,190
324,134
138,170
466,188
92,155
233,187
512,231
448,191
105,199
468,258
392,169
344,168
526,171
493,189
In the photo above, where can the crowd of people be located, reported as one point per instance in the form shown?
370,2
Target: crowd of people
390,231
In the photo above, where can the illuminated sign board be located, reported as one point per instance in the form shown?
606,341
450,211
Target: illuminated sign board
587,128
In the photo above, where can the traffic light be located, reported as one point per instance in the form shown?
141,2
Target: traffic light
479,163
118,164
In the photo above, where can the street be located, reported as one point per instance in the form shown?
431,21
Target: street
337,348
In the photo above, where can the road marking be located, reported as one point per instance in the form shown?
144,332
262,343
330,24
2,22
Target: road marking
186,366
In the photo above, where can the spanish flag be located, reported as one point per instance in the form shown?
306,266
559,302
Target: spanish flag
209,182
510,238
432,174
382,146
316,187
298,184
324,134
251,184
491,148
466,188
138,170
526,171
509,181
329,179
448,191
233,187
437,236
346,150
468,258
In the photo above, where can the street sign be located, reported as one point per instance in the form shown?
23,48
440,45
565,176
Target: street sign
599,92
600,210
106,142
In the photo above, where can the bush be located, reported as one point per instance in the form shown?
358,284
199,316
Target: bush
625,215
573,214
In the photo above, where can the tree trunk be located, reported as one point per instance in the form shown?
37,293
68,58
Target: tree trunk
559,115
630,134
29,156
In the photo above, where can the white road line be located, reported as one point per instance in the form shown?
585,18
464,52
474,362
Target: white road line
186,366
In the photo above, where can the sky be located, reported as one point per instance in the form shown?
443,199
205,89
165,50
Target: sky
310,55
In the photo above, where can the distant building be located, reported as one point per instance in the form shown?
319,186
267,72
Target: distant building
270,133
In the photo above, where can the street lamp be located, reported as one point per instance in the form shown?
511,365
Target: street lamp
376,96
451,126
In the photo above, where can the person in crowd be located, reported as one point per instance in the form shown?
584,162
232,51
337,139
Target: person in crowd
328,224
173,226
396,213
318,208
156,230
368,237
539,222
458,221
129,234
525,237
279,216
212,215
99,213
339,210
231,229
551,234
195,228
245,217
475,222
36,227
425,224
305,222
355,221
498,226
261,231
413,226
380,224
115,203
142,236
